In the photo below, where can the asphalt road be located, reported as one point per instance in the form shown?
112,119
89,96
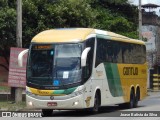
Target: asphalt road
151,104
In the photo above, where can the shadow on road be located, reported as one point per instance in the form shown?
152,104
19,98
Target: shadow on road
104,111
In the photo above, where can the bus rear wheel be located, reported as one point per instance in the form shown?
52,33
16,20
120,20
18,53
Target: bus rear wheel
137,98
131,103
47,112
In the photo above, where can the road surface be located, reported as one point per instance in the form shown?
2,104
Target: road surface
150,106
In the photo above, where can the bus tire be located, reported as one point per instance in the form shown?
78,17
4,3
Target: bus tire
96,106
132,99
131,103
137,97
47,112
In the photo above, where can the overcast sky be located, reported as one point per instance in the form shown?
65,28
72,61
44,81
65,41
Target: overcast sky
136,2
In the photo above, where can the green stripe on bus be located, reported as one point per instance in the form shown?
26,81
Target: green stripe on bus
117,80
113,79
66,91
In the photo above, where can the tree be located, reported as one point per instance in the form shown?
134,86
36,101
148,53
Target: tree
117,16
8,30
39,15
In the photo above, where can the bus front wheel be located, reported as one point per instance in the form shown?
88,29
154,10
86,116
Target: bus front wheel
96,103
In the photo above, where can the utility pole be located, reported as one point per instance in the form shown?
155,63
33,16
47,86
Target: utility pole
140,21
18,91
19,23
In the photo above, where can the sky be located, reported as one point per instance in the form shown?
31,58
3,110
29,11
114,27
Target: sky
136,2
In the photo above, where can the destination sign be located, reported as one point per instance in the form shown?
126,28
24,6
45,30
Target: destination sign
41,47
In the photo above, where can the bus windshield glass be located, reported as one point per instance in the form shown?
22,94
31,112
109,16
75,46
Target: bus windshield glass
54,65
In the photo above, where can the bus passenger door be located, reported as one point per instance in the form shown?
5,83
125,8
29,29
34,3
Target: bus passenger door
88,72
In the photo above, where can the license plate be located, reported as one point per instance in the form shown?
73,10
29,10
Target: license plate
49,104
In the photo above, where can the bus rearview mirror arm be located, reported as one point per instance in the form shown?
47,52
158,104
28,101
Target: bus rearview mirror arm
84,56
20,57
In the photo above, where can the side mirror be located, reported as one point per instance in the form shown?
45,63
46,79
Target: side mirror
20,57
84,56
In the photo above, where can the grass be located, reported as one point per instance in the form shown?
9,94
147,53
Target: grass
6,104
4,89
12,106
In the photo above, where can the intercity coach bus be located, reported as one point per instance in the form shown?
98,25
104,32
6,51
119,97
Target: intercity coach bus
84,68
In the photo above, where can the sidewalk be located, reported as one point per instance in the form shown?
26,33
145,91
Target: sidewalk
154,94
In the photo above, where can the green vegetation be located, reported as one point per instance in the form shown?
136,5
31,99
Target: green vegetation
113,15
4,89
11,106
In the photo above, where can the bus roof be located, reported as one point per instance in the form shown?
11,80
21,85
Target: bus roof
68,35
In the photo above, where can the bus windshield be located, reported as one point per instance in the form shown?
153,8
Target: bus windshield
54,65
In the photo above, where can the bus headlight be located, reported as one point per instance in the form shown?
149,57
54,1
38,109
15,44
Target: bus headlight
75,103
30,103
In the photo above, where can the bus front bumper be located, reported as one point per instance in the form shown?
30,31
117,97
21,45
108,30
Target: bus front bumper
76,102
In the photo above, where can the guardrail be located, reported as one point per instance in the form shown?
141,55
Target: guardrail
156,82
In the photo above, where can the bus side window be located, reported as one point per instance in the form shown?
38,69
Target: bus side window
101,53
88,68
